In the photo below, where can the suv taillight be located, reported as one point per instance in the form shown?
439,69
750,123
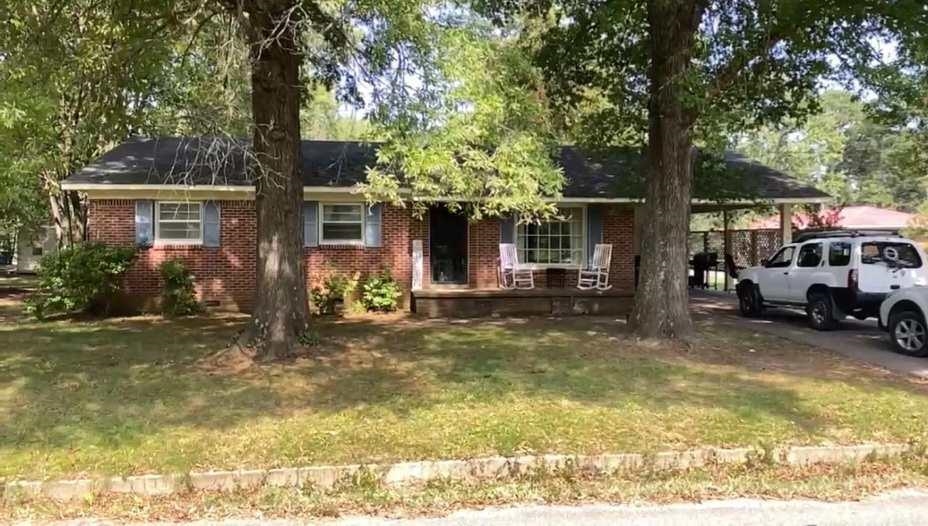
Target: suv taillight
852,279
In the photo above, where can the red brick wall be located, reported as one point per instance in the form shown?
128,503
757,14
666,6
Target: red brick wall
619,230
225,274
395,255
483,253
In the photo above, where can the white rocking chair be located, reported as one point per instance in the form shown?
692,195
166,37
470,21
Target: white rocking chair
512,275
597,275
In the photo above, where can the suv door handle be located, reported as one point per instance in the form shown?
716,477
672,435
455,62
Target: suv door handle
786,273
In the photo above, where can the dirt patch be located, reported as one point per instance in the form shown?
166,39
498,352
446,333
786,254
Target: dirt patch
11,306
230,361
14,293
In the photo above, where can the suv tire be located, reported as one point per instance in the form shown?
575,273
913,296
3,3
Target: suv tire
749,302
821,312
909,333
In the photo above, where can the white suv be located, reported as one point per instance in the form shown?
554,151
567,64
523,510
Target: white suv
833,275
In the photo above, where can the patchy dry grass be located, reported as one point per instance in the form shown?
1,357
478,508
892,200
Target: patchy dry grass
18,282
364,495
134,395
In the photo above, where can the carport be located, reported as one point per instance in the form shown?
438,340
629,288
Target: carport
745,185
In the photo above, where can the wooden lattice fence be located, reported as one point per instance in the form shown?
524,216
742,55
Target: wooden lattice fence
748,247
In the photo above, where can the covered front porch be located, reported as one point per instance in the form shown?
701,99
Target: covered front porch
474,289
456,263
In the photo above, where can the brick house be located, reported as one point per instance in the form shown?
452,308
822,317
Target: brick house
188,198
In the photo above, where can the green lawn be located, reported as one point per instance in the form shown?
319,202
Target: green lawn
135,395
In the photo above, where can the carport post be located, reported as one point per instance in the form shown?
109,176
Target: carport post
786,222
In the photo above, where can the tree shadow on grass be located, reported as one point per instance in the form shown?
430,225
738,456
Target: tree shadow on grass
115,383
118,379
589,361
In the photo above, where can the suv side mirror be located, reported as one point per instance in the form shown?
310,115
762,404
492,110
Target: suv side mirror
764,261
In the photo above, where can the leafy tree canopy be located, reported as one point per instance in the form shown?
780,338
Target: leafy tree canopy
845,151
78,77
478,132
757,61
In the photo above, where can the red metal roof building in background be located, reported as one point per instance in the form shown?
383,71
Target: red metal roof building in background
850,217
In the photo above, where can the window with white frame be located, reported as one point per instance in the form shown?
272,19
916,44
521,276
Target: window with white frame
179,222
558,242
342,223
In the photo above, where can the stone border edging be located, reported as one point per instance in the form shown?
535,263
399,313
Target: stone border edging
486,468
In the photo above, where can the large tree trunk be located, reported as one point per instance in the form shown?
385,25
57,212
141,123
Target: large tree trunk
281,310
661,302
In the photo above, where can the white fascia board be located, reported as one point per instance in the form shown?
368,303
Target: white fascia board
128,191
218,192
96,187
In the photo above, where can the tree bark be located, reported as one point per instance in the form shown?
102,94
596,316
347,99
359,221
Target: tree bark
281,307
68,213
661,301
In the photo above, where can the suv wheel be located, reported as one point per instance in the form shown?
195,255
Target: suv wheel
821,312
749,302
909,334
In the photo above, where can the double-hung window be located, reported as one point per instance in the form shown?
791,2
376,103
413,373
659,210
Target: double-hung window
556,242
179,222
342,223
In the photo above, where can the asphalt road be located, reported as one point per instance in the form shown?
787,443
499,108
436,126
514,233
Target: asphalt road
860,340
907,508
895,509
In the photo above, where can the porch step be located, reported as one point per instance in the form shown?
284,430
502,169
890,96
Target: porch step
468,303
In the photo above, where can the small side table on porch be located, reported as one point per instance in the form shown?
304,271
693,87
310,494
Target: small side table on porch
556,278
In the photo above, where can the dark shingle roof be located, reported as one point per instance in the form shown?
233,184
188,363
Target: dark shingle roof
612,173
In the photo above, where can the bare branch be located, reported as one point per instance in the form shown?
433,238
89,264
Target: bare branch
731,72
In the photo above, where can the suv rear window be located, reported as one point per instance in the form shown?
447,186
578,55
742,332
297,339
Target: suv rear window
839,253
874,253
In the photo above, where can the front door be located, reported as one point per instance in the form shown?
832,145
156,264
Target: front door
447,246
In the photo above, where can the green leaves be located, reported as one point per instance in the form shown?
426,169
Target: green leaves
78,77
478,136
846,152
757,63
178,296
80,277
380,293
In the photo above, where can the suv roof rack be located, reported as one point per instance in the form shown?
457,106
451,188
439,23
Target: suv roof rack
819,234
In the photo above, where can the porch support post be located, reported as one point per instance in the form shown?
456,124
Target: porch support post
725,246
786,222
417,257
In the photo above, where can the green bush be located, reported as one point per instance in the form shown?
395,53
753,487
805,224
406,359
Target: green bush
381,293
179,297
80,278
337,289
